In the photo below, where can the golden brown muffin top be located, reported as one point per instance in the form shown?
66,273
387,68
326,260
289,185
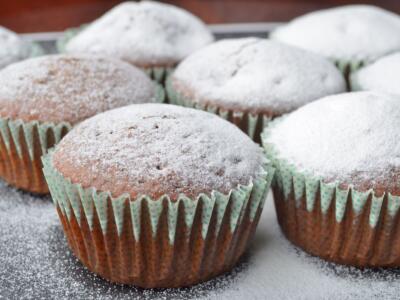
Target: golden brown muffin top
157,149
70,88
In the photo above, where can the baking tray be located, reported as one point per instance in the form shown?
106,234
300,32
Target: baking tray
35,262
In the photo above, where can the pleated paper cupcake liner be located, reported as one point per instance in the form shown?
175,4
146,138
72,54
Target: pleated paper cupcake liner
348,67
35,50
21,146
158,74
68,34
249,123
157,242
346,226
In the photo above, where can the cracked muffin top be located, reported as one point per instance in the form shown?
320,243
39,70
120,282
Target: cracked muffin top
157,149
256,75
70,88
145,33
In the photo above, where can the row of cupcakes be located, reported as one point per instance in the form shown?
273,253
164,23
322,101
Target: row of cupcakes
157,37
160,195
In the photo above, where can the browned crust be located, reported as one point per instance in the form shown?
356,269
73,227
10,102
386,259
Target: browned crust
351,242
22,172
152,262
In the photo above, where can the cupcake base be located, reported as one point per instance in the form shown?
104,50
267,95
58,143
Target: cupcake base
152,262
157,243
353,241
21,171
21,147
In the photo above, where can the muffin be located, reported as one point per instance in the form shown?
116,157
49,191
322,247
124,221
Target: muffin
337,188
13,48
157,195
351,36
151,35
383,75
42,98
249,81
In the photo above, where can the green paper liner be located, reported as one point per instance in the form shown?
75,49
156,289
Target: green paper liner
347,68
21,146
249,123
157,242
35,50
346,226
158,74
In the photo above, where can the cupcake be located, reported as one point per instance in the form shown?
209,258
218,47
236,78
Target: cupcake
42,98
337,188
383,75
150,35
249,81
13,48
351,36
157,195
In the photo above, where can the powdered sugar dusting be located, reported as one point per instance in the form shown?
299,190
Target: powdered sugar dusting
353,32
350,137
70,88
12,47
37,264
146,34
256,74
158,149
383,75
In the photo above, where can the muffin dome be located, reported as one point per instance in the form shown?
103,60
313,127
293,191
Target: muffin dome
157,149
348,33
70,88
350,138
383,75
146,34
255,75
12,47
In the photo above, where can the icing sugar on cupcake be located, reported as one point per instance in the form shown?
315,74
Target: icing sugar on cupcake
173,150
383,75
70,88
354,33
349,138
13,48
146,34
